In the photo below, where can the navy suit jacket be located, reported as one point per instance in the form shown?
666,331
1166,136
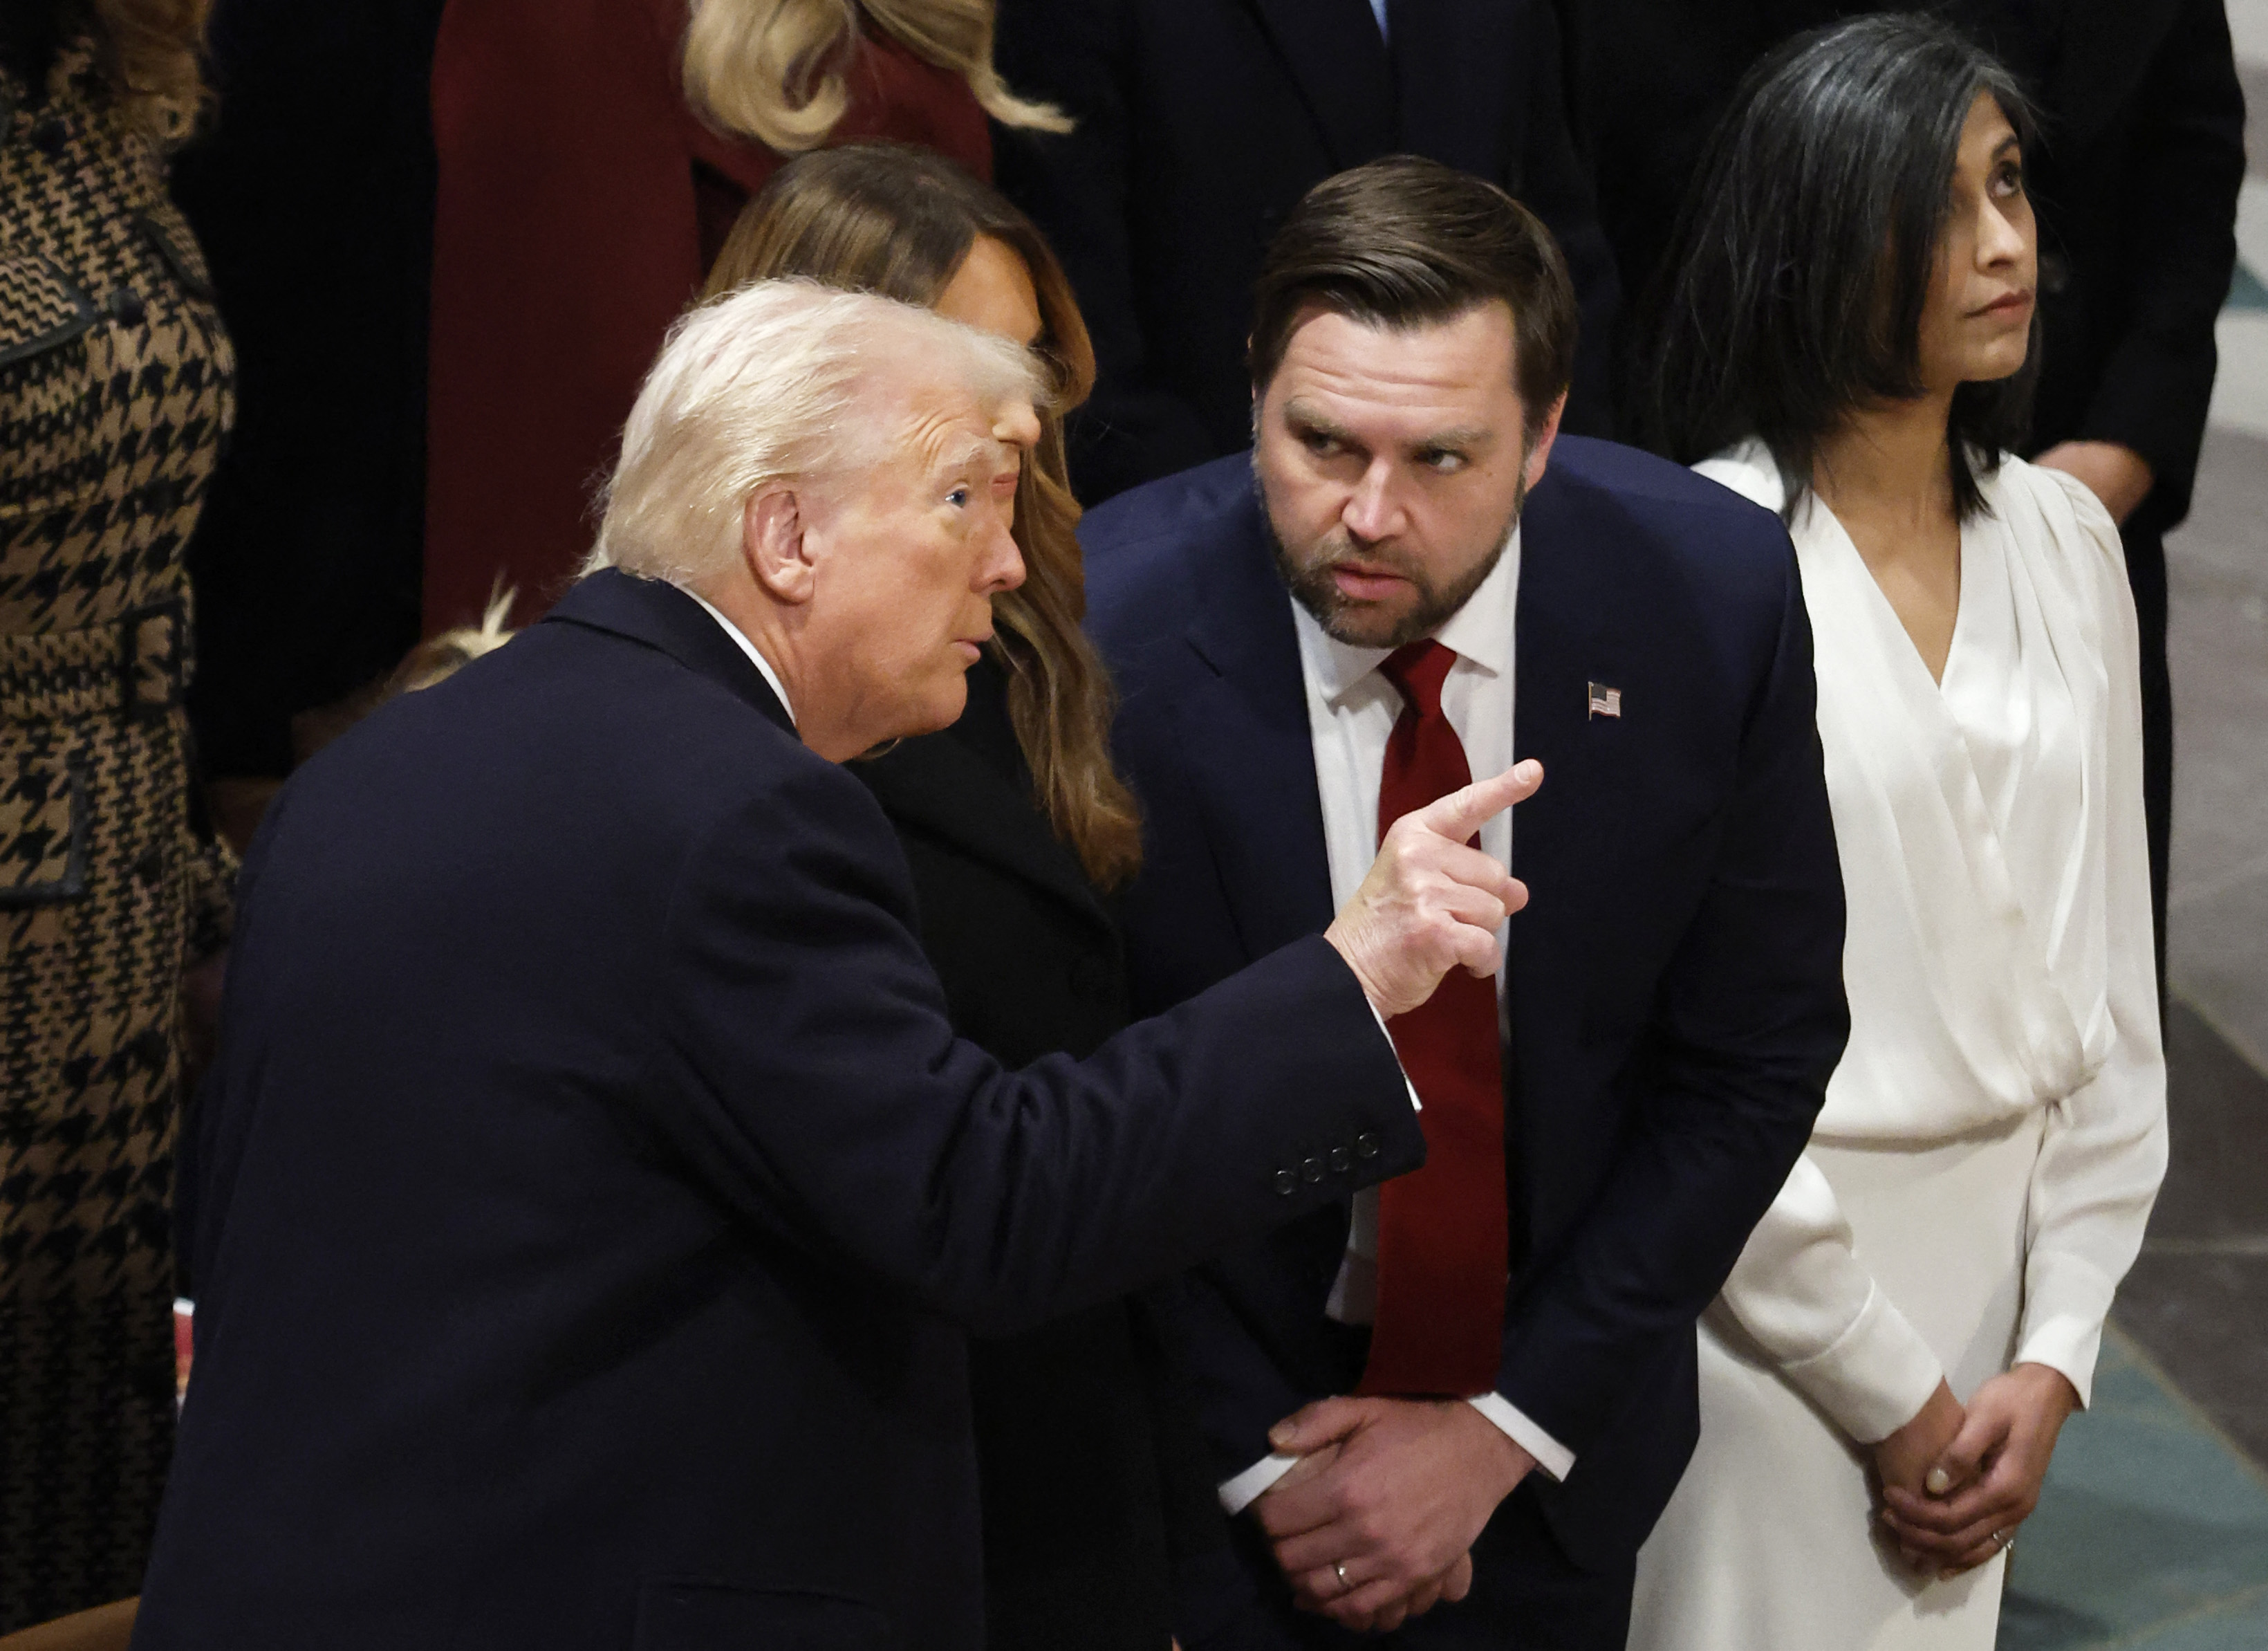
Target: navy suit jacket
593,1187
1674,983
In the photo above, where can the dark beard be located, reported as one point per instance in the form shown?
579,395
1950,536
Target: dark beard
1311,586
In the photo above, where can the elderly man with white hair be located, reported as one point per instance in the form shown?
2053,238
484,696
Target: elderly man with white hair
594,1194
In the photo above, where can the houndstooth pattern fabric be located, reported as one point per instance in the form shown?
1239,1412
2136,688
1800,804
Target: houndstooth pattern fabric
114,394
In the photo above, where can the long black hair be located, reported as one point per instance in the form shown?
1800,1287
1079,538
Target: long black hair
1804,253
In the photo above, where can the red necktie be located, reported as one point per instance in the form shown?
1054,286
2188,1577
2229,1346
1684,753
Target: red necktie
1443,1237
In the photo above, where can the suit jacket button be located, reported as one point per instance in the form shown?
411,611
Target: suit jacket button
1365,1145
1312,1170
1342,1161
1287,1182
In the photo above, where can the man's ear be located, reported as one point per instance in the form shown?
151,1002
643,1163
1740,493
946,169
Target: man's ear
1539,454
773,530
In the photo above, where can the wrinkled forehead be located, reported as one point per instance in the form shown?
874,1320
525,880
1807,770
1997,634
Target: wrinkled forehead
938,427
1460,370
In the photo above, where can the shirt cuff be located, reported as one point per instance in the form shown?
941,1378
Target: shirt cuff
1551,1455
1416,1105
1876,1376
1246,1488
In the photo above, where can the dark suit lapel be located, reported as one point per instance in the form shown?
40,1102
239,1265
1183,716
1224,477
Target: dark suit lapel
1564,642
663,617
1454,65
938,785
1338,61
1250,754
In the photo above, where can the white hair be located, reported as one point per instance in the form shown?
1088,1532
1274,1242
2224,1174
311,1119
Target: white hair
780,381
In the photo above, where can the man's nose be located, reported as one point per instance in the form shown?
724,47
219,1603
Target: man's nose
1371,511
1017,424
1002,568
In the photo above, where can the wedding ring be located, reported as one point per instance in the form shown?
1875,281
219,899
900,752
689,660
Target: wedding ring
1339,1570
2000,1541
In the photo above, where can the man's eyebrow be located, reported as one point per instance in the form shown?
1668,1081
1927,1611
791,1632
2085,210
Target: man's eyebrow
975,452
1463,437
1311,418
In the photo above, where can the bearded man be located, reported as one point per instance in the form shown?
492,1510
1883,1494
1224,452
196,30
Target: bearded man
1473,1387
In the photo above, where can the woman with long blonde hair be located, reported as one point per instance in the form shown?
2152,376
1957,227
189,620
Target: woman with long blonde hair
1017,829
115,395
591,158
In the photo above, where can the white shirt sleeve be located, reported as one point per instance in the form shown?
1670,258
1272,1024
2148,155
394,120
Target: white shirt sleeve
1247,1487
2104,1150
1799,1291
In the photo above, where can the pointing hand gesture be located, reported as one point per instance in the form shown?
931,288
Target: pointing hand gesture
1432,902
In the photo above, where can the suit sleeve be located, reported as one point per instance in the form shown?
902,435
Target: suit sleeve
808,1072
2176,221
1079,186
1749,1023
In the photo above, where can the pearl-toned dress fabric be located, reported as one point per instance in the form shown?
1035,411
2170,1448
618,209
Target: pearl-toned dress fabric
1993,1139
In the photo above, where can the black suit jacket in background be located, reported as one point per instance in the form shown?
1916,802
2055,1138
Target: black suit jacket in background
2135,183
592,1185
1203,122
1093,1480
1674,985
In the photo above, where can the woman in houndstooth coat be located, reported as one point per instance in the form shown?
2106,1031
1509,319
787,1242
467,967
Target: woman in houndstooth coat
115,397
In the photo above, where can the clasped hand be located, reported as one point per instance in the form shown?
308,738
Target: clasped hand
1375,1524
1986,1462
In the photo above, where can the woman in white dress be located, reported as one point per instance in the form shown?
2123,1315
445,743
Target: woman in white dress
1850,341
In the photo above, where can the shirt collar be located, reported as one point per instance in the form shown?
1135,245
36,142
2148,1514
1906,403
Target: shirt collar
748,648
1480,631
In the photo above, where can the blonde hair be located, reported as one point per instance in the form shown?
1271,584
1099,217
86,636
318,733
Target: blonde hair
897,220
777,70
778,382
435,660
152,52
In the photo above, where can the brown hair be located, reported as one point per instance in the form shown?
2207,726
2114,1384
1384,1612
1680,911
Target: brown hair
149,53
775,71
892,219
1403,242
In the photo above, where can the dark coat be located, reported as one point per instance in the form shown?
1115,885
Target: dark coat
1675,983
1200,124
2135,183
1089,1468
593,1187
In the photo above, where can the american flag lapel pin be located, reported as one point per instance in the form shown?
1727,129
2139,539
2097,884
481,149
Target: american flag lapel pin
1606,702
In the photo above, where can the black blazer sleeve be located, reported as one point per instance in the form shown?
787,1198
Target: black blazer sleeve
2174,218
1751,1020
998,1199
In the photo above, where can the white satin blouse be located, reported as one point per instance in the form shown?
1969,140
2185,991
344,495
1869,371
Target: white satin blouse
1999,959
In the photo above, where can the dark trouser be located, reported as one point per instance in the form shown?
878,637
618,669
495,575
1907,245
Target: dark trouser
2146,571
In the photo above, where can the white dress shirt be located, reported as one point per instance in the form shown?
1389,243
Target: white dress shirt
1351,710
748,648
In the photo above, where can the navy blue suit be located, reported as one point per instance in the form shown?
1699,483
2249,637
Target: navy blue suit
593,1189
1674,985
